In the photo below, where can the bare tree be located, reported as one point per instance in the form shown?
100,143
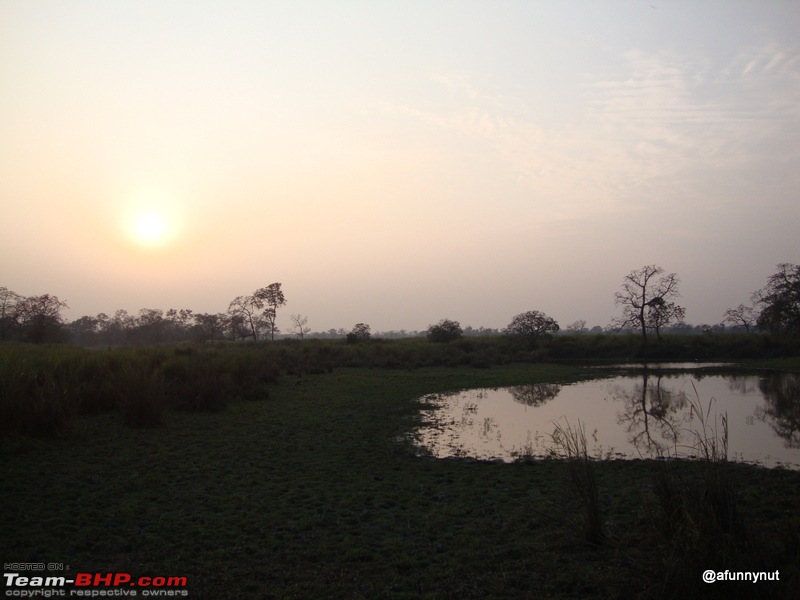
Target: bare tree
244,310
578,326
741,315
645,296
300,328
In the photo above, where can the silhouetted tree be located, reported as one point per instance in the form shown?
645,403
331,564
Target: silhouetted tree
149,327
179,324
84,331
645,296
209,326
531,326
244,312
742,315
40,318
661,313
780,301
578,326
274,299
116,329
9,312
444,331
359,333
300,327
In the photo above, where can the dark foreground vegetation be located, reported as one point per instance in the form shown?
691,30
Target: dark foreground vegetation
283,470
42,386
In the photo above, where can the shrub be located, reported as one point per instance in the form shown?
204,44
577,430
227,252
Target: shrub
445,331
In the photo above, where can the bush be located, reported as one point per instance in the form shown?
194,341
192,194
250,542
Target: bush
445,331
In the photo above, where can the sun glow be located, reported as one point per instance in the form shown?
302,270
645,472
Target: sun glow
150,228
151,221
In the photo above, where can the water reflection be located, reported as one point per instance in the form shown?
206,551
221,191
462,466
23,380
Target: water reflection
653,414
534,394
781,406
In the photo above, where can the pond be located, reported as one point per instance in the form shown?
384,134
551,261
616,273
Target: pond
650,413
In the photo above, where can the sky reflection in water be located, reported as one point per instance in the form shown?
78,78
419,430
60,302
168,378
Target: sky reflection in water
647,415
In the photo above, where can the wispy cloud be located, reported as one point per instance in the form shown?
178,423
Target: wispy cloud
642,131
757,61
694,114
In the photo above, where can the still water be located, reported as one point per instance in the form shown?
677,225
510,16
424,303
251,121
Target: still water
650,414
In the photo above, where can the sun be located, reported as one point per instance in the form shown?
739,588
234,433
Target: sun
151,221
150,228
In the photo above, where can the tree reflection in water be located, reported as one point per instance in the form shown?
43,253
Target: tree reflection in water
652,415
535,394
781,393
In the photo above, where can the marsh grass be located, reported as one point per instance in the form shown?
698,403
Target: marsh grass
317,493
300,487
570,443
141,396
43,387
31,398
697,522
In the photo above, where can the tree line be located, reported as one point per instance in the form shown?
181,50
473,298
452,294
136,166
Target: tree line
647,297
39,319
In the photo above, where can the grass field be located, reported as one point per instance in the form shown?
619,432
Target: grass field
313,492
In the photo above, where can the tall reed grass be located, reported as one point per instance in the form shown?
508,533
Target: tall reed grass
41,387
696,519
570,443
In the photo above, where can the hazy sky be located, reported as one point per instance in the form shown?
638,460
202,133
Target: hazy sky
397,162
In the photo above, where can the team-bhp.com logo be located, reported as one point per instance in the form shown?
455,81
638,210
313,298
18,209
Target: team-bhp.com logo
93,585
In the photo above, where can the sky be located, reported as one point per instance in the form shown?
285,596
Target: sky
396,163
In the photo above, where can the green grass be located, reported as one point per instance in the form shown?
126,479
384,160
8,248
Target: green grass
311,493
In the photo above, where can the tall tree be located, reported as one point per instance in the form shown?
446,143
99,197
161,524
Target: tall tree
360,333
84,330
445,330
645,299
300,325
780,300
742,315
661,313
532,325
40,318
273,297
9,312
210,326
244,310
